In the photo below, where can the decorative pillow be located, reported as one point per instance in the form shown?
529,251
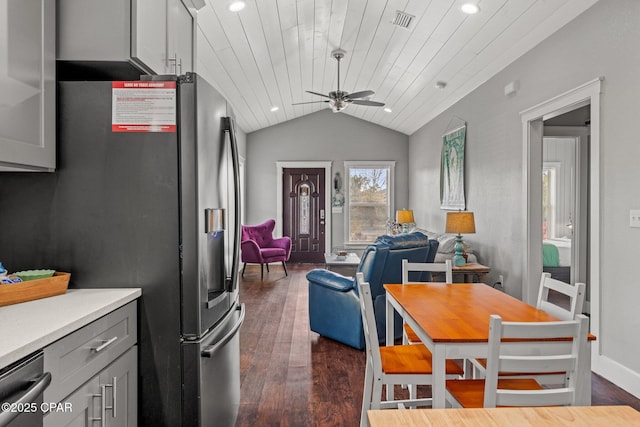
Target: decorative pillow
428,233
447,243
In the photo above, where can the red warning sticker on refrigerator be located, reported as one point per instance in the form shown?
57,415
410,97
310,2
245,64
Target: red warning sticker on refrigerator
143,106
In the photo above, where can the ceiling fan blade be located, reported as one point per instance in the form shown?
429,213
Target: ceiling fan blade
369,103
316,93
311,102
361,94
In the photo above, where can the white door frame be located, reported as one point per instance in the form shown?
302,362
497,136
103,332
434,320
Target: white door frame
586,94
280,166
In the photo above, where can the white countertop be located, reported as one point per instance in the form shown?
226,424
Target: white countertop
30,326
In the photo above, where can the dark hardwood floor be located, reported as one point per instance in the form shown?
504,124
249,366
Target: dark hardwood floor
290,376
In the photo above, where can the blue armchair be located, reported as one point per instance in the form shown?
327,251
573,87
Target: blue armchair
334,310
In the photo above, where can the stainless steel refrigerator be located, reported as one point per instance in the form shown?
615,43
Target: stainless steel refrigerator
150,206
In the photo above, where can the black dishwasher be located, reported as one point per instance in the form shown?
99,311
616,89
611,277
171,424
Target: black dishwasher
21,388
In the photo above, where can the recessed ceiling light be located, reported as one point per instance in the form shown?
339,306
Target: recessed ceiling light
274,109
388,110
236,6
470,8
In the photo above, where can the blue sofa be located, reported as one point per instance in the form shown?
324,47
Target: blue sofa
334,310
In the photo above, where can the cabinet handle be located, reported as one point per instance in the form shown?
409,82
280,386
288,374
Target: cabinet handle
104,345
177,63
103,402
114,392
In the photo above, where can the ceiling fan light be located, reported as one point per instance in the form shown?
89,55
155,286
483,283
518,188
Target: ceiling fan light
337,105
236,6
340,99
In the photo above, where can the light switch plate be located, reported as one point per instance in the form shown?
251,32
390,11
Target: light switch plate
634,218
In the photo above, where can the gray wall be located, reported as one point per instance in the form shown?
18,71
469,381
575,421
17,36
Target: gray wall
602,41
321,136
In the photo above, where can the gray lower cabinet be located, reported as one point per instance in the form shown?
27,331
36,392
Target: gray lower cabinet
95,373
119,391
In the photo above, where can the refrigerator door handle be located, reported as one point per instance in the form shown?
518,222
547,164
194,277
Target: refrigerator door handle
212,349
230,129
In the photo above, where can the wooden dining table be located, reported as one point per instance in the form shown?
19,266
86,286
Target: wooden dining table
452,320
556,416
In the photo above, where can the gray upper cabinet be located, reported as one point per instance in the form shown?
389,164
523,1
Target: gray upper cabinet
27,85
180,38
149,34
141,32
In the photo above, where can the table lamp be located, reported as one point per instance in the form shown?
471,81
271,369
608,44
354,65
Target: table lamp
460,222
404,217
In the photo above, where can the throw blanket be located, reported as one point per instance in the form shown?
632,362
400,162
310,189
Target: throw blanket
550,255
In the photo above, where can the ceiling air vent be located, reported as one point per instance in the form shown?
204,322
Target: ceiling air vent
402,19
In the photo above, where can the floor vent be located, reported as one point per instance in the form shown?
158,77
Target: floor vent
402,19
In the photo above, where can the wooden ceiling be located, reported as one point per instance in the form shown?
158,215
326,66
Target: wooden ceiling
271,52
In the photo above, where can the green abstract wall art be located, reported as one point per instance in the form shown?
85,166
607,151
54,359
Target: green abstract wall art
452,170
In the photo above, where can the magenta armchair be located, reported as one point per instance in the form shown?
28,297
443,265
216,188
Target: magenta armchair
259,247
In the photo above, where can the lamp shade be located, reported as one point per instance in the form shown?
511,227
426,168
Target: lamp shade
404,216
460,223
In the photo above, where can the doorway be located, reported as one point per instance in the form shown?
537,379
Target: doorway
282,196
565,197
533,124
303,213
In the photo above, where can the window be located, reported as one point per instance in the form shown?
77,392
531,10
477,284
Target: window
369,200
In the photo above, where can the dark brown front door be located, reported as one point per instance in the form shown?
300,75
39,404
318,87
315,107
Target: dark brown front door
304,213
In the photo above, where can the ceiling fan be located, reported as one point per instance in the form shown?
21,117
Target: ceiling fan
339,99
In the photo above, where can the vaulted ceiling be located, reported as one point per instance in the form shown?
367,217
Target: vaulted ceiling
273,51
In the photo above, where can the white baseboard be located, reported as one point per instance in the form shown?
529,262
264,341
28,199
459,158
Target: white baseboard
618,374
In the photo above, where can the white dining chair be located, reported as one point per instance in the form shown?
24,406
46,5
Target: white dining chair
429,267
541,353
408,335
575,294
565,310
391,365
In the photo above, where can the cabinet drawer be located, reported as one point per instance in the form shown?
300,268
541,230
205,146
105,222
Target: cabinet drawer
74,359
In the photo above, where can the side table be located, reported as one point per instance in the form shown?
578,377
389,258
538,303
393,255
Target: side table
331,261
467,272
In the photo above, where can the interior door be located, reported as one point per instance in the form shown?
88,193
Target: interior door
304,213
